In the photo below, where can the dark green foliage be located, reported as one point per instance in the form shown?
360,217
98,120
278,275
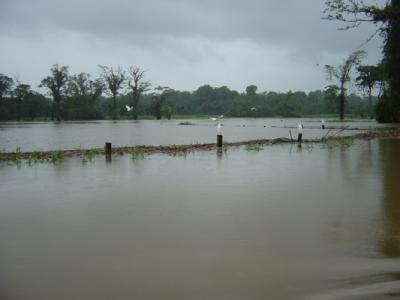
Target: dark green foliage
341,74
251,90
113,81
368,78
82,100
389,110
21,93
83,97
387,16
137,87
6,84
159,105
34,106
56,84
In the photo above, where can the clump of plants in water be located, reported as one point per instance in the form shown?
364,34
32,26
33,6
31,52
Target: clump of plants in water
342,143
14,159
137,154
56,157
254,147
88,157
36,157
178,154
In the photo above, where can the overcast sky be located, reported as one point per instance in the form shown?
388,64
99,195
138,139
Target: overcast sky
278,45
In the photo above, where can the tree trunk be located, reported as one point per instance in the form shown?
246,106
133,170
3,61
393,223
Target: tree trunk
371,113
389,106
393,40
135,104
19,110
57,109
58,117
114,114
341,105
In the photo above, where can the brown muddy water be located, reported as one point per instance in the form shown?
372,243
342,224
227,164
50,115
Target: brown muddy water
42,136
280,222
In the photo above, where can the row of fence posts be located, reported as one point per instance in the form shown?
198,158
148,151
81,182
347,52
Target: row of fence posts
108,147
300,130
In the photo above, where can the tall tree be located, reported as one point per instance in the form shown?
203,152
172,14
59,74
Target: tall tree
137,86
387,17
251,90
159,105
56,84
21,92
78,85
368,77
82,85
6,84
342,74
86,93
113,79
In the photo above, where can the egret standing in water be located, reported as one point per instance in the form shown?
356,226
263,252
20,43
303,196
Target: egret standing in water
323,124
300,136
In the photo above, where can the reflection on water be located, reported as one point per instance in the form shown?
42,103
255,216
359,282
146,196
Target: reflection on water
281,222
390,242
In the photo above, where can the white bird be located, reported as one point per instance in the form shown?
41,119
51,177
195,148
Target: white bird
253,108
219,128
300,127
129,108
218,118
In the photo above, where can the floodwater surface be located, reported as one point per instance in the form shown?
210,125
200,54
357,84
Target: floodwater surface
35,136
280,222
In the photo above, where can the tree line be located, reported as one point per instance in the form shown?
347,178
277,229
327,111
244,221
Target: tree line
81,97
118,94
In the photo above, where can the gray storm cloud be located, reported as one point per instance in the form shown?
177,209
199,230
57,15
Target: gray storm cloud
173,37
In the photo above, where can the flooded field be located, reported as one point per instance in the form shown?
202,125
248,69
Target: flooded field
74,135
280,222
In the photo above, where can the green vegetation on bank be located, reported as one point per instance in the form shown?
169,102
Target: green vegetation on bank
90,104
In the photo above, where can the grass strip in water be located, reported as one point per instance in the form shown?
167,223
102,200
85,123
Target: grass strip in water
138,152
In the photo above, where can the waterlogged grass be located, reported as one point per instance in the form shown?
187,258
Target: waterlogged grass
179,154
334,144
88,157
16,159
56,157
254,147
32,160
137,154
140,153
